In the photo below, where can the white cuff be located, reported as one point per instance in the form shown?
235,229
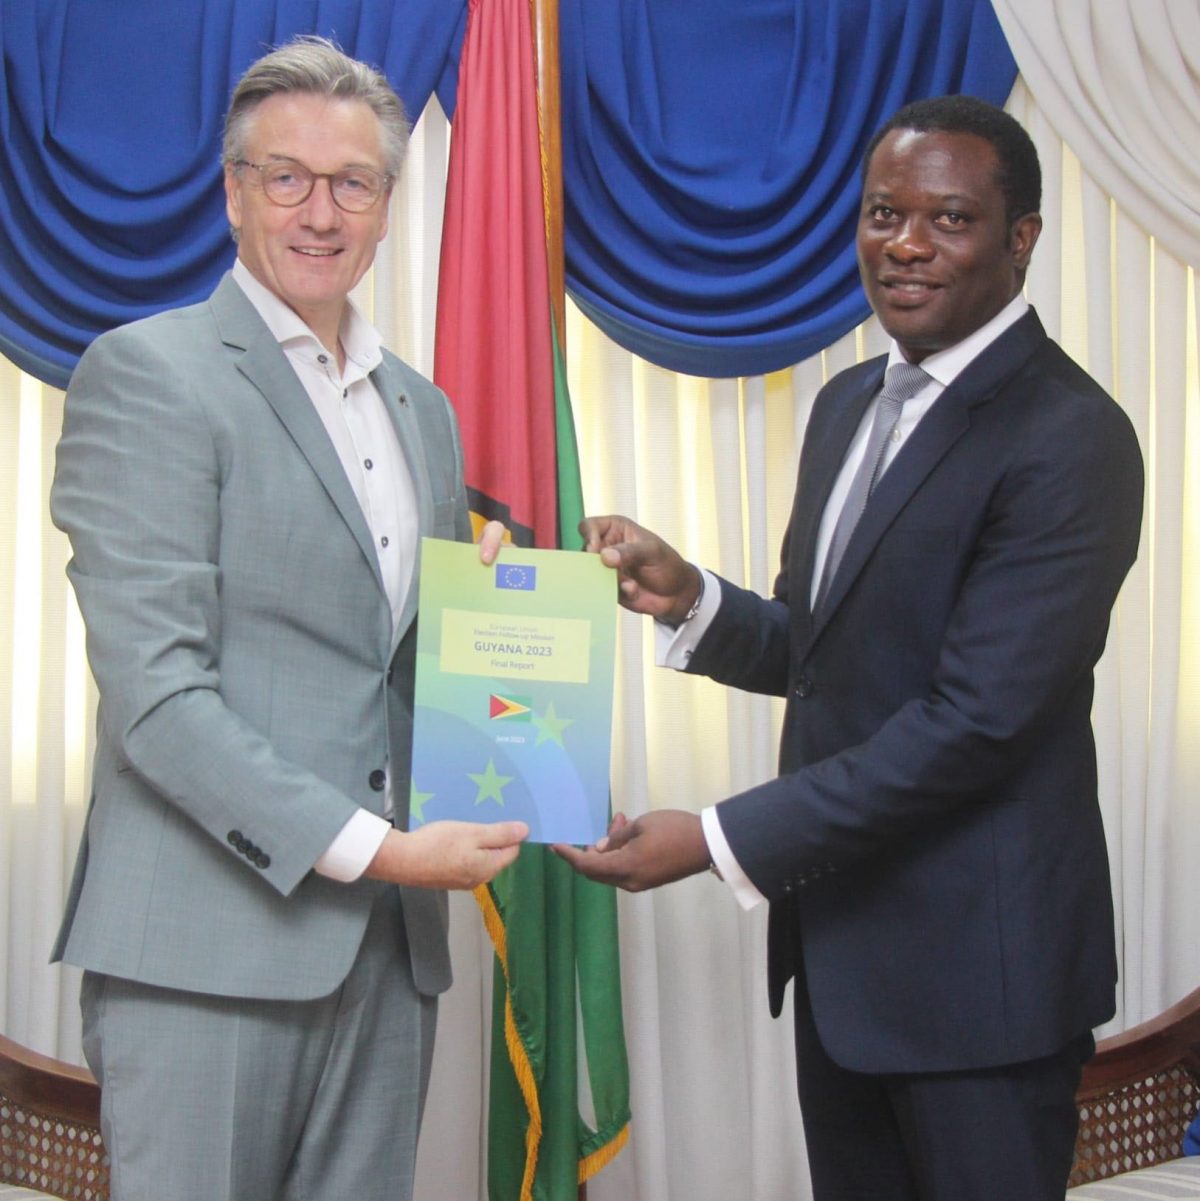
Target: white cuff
351,852
673,645
731,872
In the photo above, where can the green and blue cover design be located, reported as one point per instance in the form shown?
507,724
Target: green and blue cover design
514,688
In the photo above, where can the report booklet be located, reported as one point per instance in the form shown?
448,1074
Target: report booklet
514,690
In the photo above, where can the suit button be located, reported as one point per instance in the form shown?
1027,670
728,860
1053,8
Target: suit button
377,779
391,672
263,860
234,837
804,688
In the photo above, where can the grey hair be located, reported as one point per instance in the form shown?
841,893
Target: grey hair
315,66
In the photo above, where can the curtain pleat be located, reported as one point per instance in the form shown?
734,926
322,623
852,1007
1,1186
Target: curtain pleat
1120,82
111,201
711,162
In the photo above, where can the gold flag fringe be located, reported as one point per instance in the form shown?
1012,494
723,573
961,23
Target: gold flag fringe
517,1055
523,1069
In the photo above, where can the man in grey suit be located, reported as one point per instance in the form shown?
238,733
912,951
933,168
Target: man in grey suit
245,483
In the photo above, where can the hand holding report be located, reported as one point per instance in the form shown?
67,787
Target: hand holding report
514,685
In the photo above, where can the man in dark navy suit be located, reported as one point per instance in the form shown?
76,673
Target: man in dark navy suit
932,848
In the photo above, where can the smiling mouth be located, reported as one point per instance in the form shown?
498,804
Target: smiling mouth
909,287
318,252
908,293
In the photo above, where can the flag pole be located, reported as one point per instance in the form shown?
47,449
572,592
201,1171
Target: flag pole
545,23
545,18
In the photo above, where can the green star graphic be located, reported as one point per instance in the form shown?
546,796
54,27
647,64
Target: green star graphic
490,785
416,804
550,726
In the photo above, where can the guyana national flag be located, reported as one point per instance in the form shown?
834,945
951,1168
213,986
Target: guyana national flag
559,1102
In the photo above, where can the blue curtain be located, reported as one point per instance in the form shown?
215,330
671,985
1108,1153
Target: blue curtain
111,205
711,154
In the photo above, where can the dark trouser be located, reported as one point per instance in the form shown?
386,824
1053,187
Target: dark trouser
1000,1134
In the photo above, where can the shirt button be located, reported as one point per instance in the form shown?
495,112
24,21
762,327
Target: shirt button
321,358
377,779
383,541
368,464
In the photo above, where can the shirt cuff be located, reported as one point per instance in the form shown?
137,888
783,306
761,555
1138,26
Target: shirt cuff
673,645
351,852
731,872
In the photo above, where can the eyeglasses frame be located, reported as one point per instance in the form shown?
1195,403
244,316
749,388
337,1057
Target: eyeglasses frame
387,180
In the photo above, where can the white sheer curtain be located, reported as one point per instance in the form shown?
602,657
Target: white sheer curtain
1119,80
46,702
711,465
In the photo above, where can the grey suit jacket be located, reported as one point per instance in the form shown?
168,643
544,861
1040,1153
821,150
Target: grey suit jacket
252,690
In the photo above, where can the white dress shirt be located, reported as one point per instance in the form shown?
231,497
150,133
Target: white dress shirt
674,646
368,448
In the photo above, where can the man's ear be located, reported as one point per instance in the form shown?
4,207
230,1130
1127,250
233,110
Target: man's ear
1022,238
233,197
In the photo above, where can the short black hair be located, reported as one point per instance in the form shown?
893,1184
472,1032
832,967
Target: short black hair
1020,175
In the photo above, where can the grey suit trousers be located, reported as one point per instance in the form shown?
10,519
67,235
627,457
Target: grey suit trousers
261,1100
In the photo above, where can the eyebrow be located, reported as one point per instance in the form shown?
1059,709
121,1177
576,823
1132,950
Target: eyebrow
291,158
951,198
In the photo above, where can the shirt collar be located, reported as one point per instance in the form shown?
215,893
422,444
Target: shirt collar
946,365
360,339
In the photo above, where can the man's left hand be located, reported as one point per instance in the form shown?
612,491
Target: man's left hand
654,849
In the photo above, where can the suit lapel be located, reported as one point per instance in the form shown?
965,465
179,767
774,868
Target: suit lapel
947,421
937,432
265,365
408,429
821,465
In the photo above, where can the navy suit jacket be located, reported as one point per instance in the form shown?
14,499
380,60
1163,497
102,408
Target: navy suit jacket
932,847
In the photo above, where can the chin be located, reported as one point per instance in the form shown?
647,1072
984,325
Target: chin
915,335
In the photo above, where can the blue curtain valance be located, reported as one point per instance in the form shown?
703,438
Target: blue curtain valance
111,204
711,155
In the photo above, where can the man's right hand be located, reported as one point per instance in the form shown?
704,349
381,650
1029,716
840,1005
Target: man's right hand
447,854
652,577
654,849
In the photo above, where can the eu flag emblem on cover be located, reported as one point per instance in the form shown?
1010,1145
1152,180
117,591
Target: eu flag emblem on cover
516,575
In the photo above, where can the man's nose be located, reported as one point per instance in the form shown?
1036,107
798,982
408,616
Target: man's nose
910,242
320,211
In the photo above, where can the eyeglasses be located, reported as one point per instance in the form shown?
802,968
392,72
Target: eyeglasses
288,183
